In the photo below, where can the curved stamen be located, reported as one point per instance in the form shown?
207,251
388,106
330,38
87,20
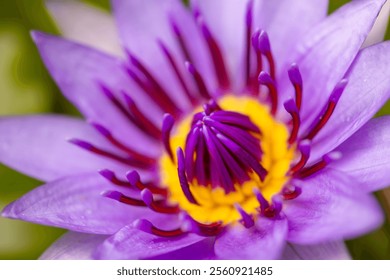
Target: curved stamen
274,209
292,109
190,225
328,111
266,79
247,220
259,62
137,156
326,159
158,93
128,161
183,178
198,80
216,55
167,126
235,119
296,79
141,120
261,199
157,206
148,227
265,48
110,176
176,70
135,181
115,195
291,192
304,149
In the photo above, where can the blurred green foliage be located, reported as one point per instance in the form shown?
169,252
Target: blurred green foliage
26,88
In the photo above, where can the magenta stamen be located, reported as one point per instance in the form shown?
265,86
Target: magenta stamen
167,126
147,198
137,156
135,181
261,199
124,199
175,68
268,81
304,149
328,111
259,62
129,161
292,109
180,39
296,79
158,93
247,220
190,225
248,32
183,178
216,55
291,192
148,227
274,209
203,91
110,176
326,159
140,119
265,48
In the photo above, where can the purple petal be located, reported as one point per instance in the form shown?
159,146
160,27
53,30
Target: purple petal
76,203
130,243
331,207
366,155
286,23
326,52
73,246
368,89
226,21
86,24
326,251
202,250
264,241
143,23
78,70
38,146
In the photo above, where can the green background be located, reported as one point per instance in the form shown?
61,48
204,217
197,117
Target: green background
26,88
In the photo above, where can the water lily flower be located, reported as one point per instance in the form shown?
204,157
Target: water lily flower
227,130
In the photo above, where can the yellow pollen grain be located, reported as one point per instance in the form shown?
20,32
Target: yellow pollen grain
214,204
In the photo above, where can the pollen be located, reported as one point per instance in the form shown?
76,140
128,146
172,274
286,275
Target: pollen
211,193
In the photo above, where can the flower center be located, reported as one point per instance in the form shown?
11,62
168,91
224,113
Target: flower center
228,154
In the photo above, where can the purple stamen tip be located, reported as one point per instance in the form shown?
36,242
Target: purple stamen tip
129,101
107,92
332,156
190,67
247,219
265,78
249,13
205,30
255,40
174,26
290,106
147,196
113,195
101,129
81,143
260,198
304,147
108,174
263,43
168,122
338,90
133,177
143,225
294,74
